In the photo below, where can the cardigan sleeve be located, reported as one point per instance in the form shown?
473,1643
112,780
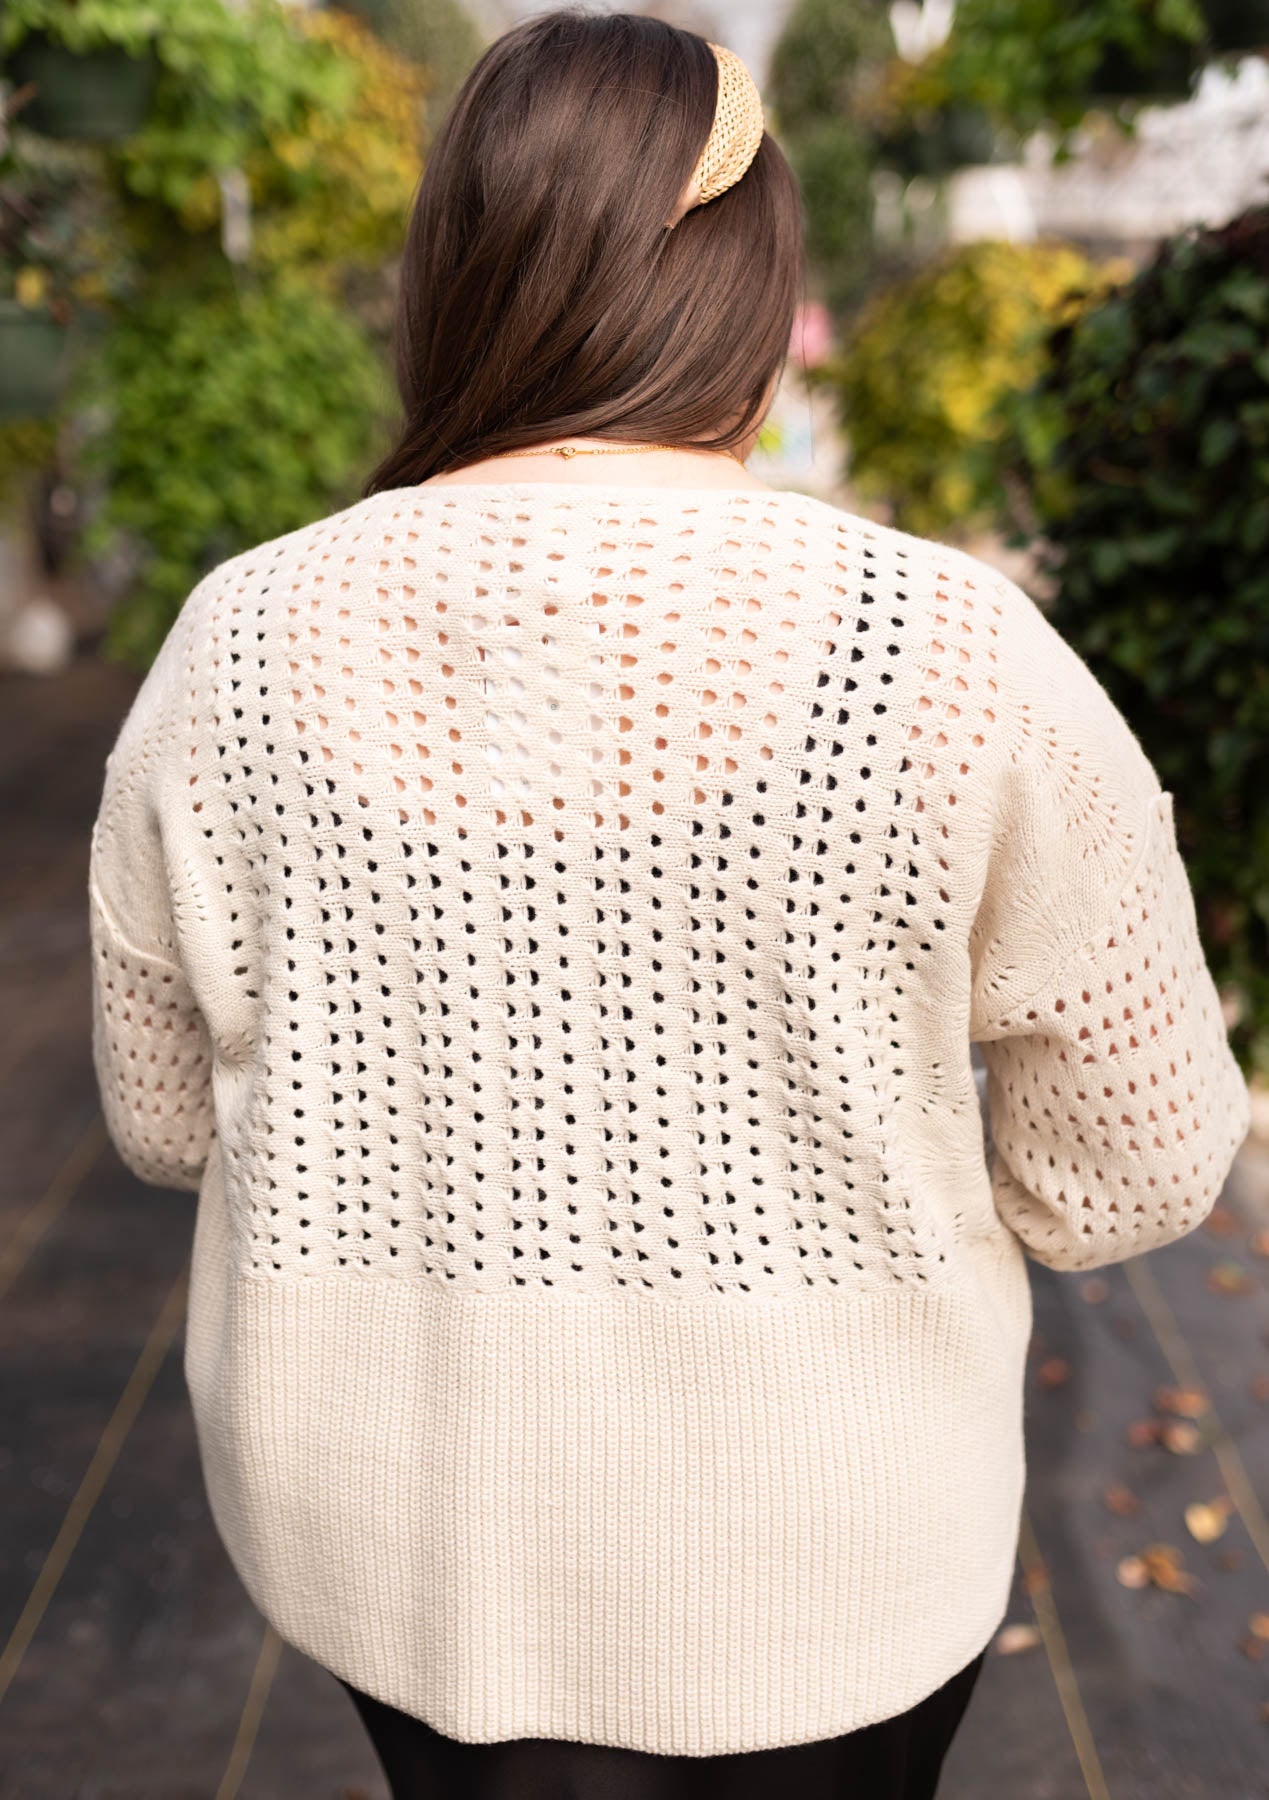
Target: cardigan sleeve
1115,1103
150,1045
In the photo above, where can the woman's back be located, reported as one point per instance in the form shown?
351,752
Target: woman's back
567,911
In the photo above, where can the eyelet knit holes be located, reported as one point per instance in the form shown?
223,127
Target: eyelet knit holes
558,777
1099,1125
504,881
159,1053
598,875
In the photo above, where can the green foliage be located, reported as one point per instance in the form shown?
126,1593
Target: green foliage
335,189
918,380
231,77
1008,67
824,59
81,25
222,419
822,67
211,417
846,105
1037,62
1143,452
58,227
834,163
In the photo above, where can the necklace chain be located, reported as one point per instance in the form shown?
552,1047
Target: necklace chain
567,450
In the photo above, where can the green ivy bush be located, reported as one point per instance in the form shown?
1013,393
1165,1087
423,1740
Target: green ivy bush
918,379
1142,457
219,421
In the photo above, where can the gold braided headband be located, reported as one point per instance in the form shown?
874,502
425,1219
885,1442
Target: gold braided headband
733,138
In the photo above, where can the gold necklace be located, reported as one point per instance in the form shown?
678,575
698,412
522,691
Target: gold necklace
567,450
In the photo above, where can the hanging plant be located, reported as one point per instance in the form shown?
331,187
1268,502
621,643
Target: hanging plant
58,265
225,77
93,96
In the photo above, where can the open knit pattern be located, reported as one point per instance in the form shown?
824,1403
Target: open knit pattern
736,132
548,924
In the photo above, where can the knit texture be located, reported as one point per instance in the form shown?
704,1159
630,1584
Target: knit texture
548,925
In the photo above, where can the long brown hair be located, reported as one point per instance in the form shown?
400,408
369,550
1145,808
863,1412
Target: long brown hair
542,294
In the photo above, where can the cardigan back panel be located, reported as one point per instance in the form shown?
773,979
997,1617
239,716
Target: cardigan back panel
547,926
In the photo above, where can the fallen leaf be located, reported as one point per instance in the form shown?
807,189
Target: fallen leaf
1253,1648
1131,1572
1035,1577
1259,1245
1187,1403
1095,1290
1144,1432
1260,1387
1259,1625
1121,1500
1054,1372
1221,1222
1205,1521
1166,1569
1263,1715
1015,1638
1180,1437
1230,1279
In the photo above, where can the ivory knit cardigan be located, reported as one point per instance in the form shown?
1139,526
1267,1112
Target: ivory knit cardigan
547,924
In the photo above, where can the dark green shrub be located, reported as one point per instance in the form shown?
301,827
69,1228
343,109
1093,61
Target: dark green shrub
1142,456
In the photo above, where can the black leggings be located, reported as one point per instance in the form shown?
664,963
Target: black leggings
898,1759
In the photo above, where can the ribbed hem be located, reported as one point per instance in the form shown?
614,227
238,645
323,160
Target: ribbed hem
694,1527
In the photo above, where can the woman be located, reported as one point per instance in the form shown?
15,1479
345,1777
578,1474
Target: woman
544,910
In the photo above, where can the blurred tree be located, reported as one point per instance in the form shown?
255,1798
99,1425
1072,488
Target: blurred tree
824,58
824,61
850,108
335,189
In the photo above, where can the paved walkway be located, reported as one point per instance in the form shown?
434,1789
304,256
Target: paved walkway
134,1667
